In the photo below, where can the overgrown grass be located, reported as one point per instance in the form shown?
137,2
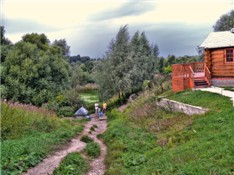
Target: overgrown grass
86,139
27,137
73,163
179,144
89,97
92,149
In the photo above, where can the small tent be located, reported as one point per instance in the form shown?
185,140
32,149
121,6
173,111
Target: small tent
81,112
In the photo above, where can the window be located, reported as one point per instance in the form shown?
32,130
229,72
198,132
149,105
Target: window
229,55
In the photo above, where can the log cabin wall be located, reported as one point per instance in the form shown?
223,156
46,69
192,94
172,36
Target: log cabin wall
215,60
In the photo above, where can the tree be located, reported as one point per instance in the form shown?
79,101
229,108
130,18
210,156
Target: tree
225,22
34,72
4,40
62,44
5,44
126,66
40,40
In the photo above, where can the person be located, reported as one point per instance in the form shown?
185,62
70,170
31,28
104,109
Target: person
96,109
104,106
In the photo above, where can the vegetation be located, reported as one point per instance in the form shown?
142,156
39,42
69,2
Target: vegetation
148,140
126,65
33,69
92,149
72,164
36,71
23,127
144,139
225,22
86,139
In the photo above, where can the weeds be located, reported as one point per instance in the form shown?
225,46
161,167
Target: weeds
73,163
27,137
147,140
86,139
92,149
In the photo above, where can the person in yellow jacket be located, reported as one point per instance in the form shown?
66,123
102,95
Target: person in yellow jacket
104,107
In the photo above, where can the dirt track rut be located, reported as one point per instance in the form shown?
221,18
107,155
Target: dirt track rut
97,166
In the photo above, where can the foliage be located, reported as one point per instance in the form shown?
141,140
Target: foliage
80,76
72,164
3,39
86,139
21,132
62,44
92,149
127,64
225,22
34,72
147,140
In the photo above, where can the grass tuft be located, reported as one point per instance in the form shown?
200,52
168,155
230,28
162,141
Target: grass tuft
73,163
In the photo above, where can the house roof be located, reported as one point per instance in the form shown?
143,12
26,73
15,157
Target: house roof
218,40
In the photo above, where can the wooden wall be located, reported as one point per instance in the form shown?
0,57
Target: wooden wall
180,77
215,60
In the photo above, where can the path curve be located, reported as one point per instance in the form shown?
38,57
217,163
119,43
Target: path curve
97,166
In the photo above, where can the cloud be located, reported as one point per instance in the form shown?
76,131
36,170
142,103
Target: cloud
177,38
127,9
13,26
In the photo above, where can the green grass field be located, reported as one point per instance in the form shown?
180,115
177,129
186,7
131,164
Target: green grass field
160,142
29,136
89,97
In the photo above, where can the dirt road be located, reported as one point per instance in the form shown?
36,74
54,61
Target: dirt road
97,166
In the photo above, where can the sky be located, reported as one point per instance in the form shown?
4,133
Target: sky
176,26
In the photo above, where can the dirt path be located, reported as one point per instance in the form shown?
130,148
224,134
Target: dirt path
121,108
97,166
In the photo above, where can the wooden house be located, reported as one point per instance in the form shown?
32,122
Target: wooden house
217,68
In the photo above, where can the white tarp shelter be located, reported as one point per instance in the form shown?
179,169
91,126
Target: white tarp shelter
81,112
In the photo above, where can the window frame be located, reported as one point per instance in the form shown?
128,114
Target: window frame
227,54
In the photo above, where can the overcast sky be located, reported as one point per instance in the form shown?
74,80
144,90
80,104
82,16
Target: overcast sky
177,27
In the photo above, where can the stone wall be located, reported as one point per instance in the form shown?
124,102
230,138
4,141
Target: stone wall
181,107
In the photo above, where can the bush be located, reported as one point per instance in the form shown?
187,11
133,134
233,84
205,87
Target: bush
66,111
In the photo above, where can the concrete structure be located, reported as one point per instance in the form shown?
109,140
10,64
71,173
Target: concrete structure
219,91
181,107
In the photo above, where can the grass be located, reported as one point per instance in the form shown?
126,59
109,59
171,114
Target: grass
73,163
179,144
28,136
86,139
92,149
229,88
90,97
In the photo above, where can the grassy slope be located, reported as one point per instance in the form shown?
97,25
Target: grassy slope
27,137
204,145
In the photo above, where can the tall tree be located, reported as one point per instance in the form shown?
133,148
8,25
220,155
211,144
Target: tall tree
40,40
62,44
225,22
3,39
126,66
117,60
32,74
5,45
